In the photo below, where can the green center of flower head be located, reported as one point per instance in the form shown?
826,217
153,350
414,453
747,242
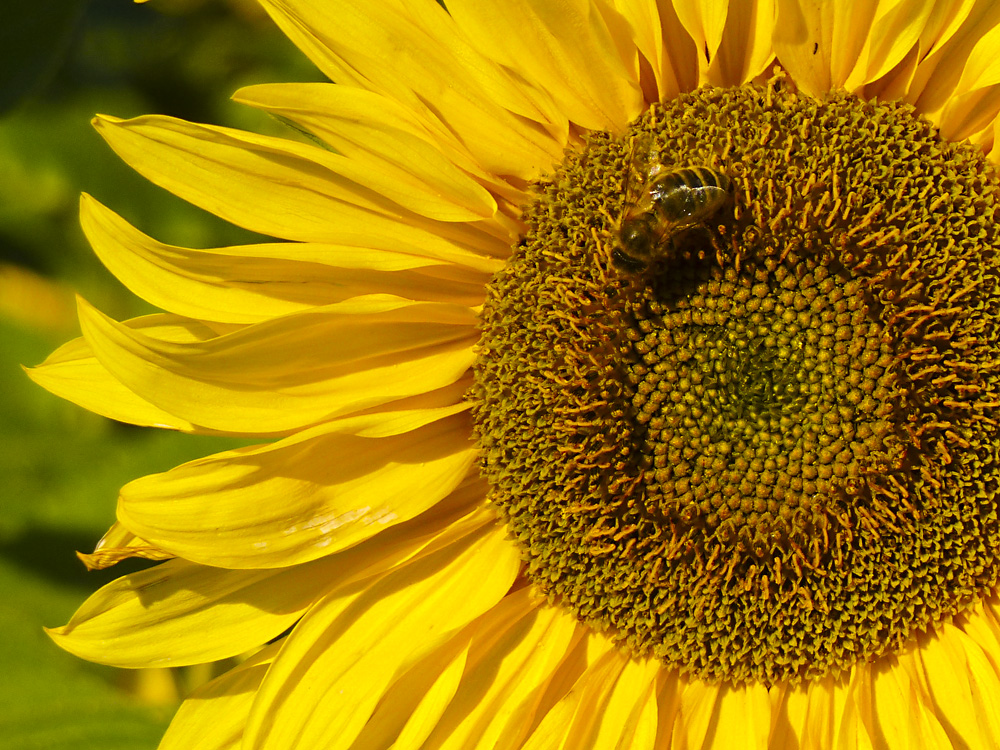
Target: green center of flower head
769,449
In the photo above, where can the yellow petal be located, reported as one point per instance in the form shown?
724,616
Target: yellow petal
372,132
640,731
670,689
937,77
213,716
576,721
744,51
359,123
696,716
118,544
984,628
665,44
179,613
604,707
895,31
896,713
965,691
258,282
976,99
294,371
226,171
340,658
491,113
304,497
744,718
435,700
819,42
516,653
73,372
705,21
567,48
946,19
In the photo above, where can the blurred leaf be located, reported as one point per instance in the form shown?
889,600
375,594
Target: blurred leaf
50,700
34,37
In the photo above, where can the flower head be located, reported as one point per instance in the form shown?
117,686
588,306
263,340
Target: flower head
628,372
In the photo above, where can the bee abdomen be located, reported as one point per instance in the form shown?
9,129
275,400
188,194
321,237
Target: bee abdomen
689,194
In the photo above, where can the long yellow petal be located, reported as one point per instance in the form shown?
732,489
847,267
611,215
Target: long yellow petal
952,670
705,22
896,713
73,372
575,722
938,75
195,162
697,714
213,716
347,650
253,283
975,101
375,133
354,121
283,188
665,45
744,718
293,501
432,62
516,654
566,47
151,616
819,42
895,31
294,371
744,51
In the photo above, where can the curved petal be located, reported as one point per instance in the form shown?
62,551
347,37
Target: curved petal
353,121
744,51
975,101
938,74
896,713
338,662
285,189
294,371
603,708
697,713
705,22
118,544
179,613
963,688
258,282
73,372
213,716
299,499
667,48
819,42
373,133
515,657
566,47
895,31
437,74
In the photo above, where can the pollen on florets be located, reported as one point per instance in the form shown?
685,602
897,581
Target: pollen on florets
774,454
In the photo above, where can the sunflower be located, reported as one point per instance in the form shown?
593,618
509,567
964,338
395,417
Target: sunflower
626,376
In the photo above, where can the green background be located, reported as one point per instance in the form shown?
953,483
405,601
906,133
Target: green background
62,61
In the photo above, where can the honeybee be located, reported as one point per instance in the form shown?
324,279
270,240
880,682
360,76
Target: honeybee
660,203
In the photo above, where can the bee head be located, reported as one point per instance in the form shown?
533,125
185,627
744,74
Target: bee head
638,237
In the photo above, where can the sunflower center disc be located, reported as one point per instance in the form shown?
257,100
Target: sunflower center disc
772,453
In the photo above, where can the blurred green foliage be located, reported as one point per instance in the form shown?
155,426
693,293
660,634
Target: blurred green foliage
61,61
